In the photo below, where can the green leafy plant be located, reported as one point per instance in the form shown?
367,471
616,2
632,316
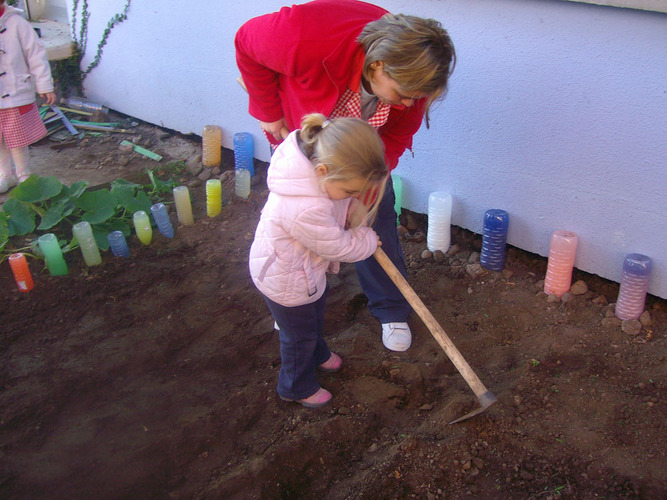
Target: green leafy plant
43,204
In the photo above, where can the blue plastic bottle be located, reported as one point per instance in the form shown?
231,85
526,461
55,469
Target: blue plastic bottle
244,152
494,239
118,244
162,220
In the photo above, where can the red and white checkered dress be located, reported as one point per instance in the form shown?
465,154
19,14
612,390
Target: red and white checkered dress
21,126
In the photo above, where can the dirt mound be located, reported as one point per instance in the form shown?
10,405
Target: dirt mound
154,376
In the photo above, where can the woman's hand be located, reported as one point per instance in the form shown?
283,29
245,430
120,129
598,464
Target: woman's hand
277,129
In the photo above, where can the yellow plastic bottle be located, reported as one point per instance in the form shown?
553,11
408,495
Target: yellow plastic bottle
183,205
213,197
142,225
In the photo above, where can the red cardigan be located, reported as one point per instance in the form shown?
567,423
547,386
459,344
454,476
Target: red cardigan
302,59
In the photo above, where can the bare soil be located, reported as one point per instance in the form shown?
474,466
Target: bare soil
155,376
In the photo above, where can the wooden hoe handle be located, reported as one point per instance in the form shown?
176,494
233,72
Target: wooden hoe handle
434,327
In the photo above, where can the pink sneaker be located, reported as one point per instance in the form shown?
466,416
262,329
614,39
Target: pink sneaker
333,364
317,400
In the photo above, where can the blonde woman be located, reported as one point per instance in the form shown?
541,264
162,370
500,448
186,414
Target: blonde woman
345,58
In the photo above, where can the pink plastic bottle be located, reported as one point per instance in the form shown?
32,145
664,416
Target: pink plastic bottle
634,285
562,251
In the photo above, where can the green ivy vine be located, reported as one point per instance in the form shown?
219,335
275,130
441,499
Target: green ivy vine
68,72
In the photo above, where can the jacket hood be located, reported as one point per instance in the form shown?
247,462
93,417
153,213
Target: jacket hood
10,11
291,173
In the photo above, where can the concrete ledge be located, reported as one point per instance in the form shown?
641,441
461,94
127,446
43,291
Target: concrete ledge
56,39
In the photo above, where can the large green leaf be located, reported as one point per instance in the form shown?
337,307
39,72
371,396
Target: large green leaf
56,213
21,219
4,230
98,206
130,197
76,189
35,189
140,202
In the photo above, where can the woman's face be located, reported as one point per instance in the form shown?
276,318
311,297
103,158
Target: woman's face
388,90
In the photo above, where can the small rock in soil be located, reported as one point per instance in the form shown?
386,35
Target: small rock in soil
579,288
645,319
194,164
631,326
453,250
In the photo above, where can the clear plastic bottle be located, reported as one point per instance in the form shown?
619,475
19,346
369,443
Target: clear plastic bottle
87,243
82,104
634,285
183,205
55,262
494,239
562,251
213,197
211,146
242,183
398,193
244,152
142,226
438,235
162,221
118,244
21,272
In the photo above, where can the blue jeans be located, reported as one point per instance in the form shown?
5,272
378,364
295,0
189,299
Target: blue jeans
385,300
302,347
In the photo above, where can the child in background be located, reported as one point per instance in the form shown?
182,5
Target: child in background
24,69
311,222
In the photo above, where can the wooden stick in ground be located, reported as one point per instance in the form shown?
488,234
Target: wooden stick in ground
483,395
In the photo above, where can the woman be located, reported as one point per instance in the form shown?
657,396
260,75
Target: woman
345,58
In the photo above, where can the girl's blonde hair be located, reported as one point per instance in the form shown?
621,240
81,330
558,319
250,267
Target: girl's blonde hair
349,148
417,53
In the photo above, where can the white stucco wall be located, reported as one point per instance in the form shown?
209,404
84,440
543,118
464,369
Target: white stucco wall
557,111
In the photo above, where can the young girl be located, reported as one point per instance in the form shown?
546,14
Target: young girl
310,224
24,68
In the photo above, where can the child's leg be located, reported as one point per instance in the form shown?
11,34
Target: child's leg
21,157
5,160
302,347
6,177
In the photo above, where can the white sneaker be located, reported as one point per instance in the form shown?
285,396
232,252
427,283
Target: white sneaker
396,336
6,183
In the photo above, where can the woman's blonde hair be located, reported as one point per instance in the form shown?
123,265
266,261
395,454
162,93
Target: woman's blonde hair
417,53
349,148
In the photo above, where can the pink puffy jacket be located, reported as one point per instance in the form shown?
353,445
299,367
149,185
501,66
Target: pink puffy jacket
301,232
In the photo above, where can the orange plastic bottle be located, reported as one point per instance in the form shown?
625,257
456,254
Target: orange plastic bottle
562,252
21,272
212,146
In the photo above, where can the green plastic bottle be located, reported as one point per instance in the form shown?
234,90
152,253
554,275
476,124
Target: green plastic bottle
398,191
55,262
